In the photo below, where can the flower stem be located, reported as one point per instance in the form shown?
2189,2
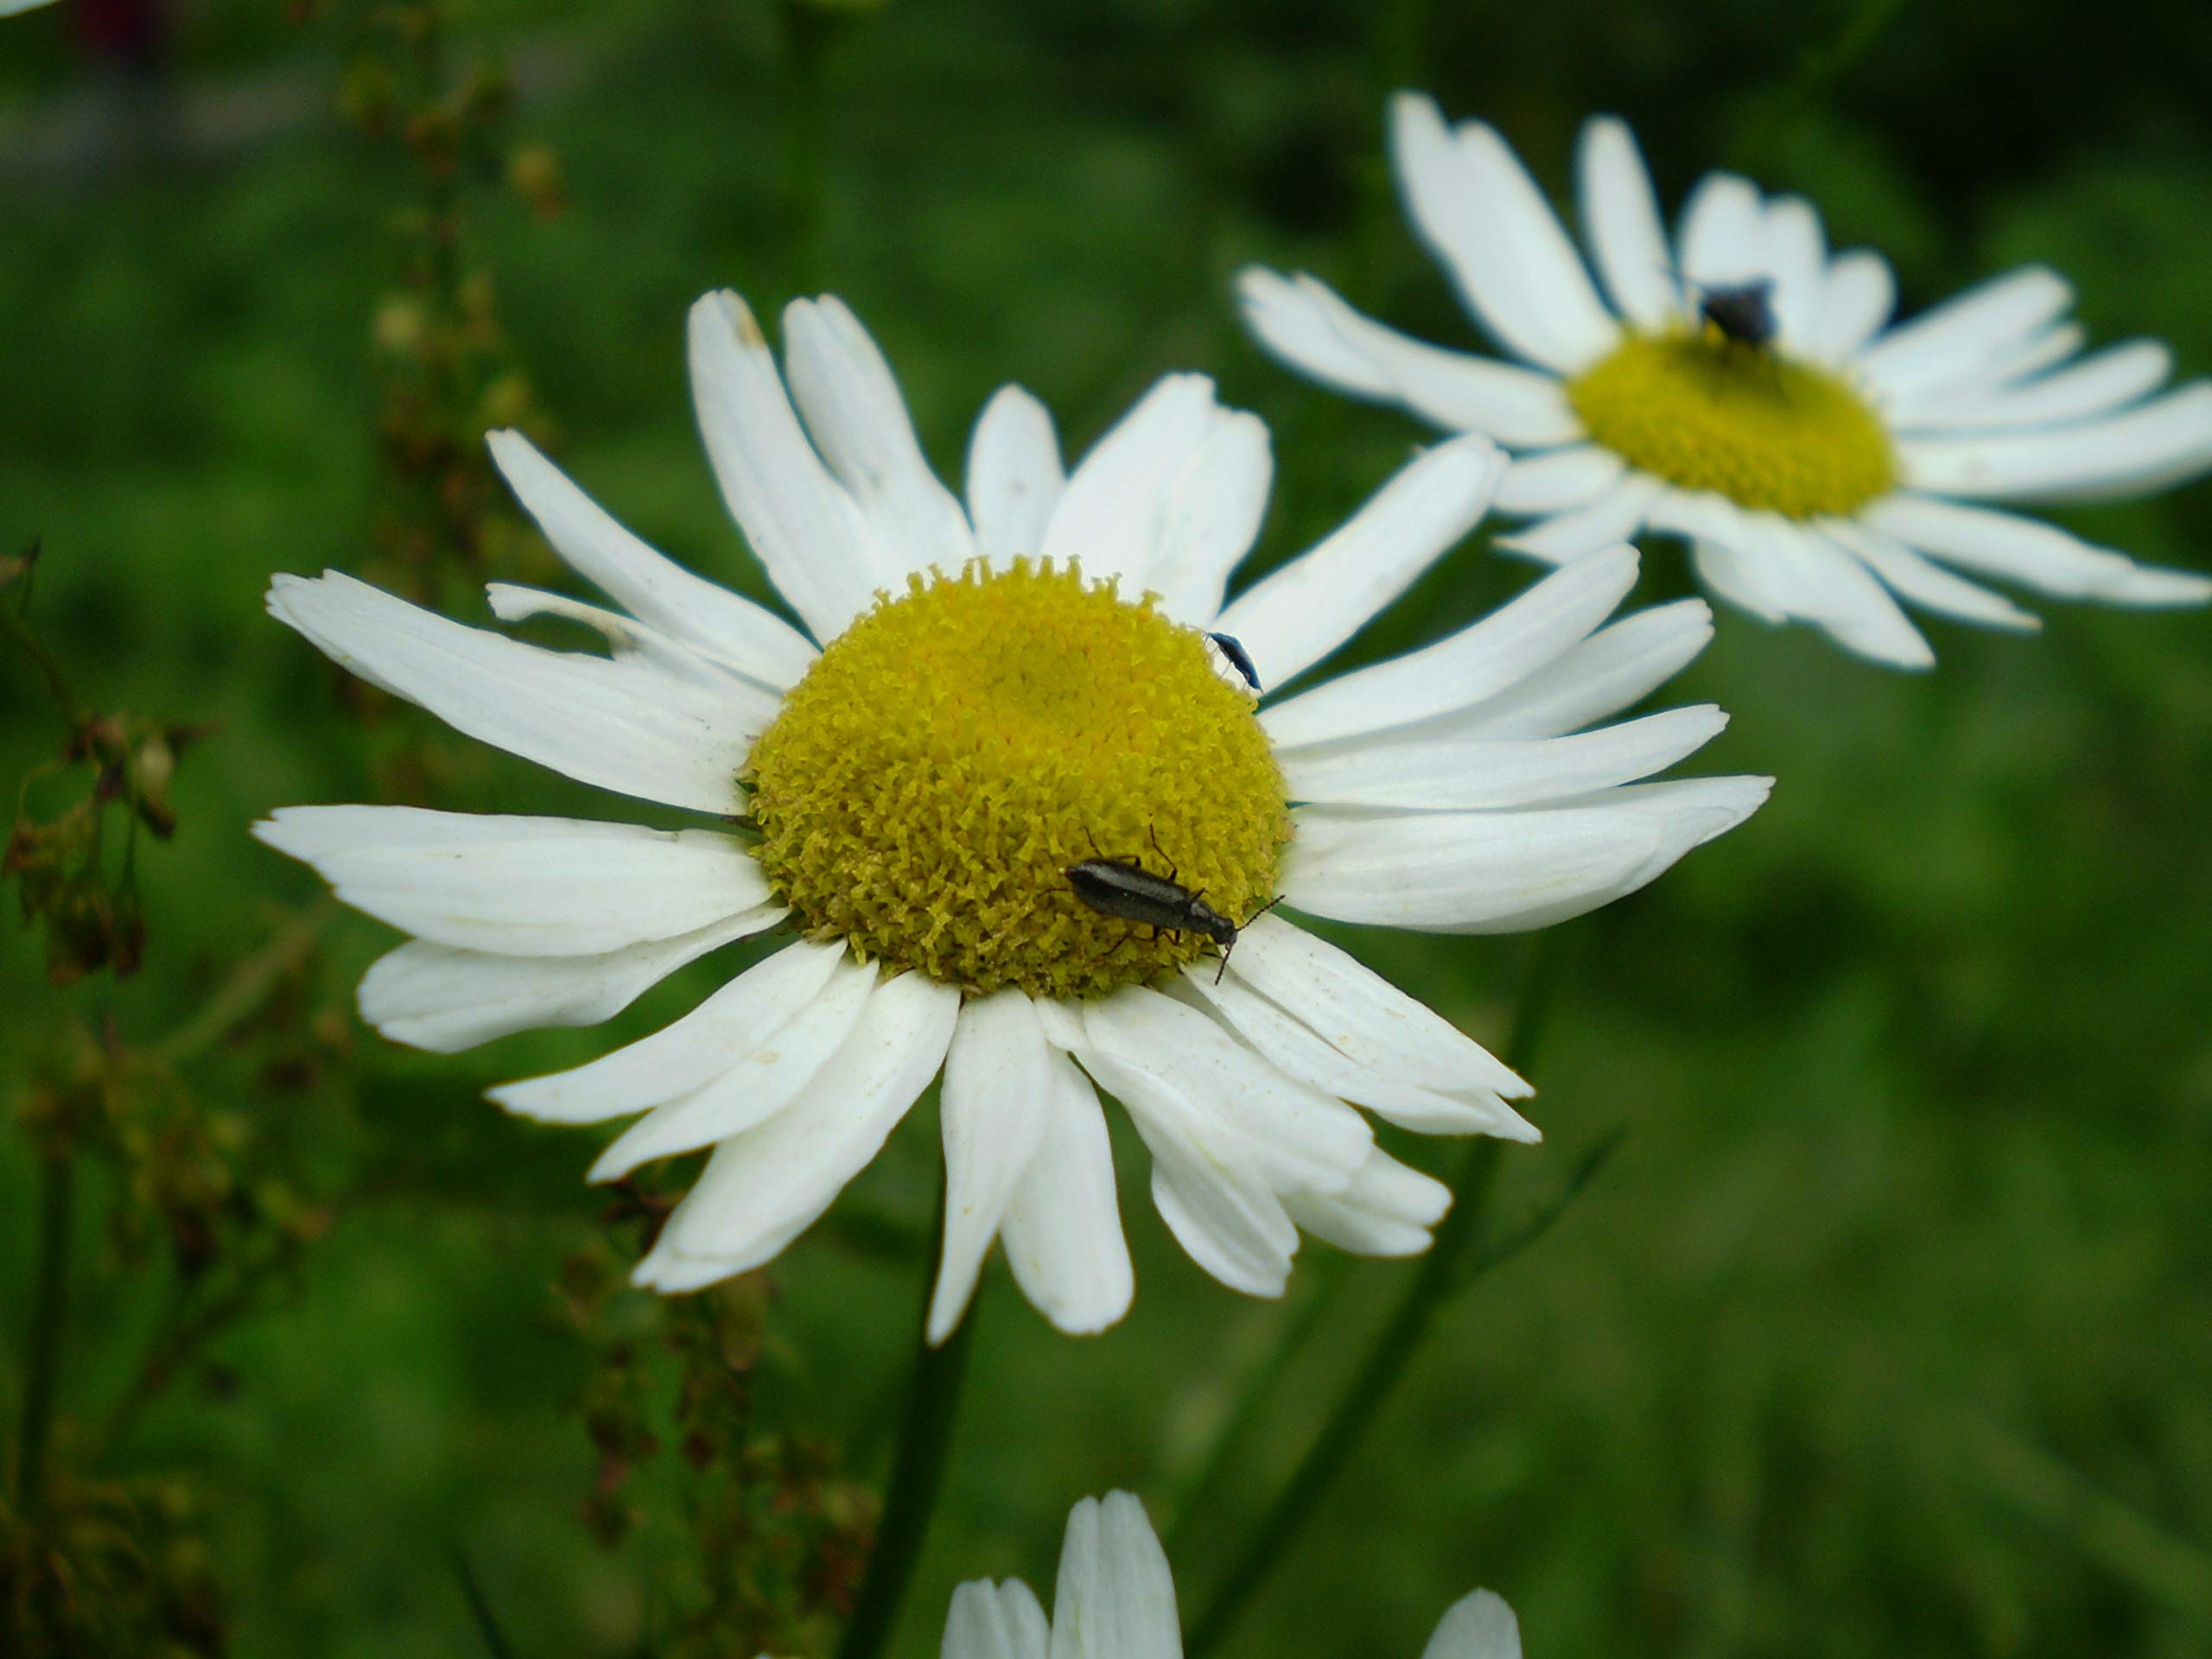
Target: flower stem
1779,107
49,1315
1362,1398
73,713
1187,1507
807,37
925,1440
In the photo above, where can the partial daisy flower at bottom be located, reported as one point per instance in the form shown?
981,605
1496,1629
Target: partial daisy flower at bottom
1003,691
1115,1599
1742,389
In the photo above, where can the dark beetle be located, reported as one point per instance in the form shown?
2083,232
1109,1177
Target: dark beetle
1123,888
1743,313
1239,658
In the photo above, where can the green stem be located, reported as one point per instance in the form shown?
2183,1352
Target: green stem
1357,1405
178,1345
925,1440
1442,1271
49,667
1398,50
480,1609
807,31
49,1315
247,987
1236,1428
1819,70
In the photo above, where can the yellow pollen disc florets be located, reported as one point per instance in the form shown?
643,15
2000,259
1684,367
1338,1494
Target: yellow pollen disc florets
925,786
1708,413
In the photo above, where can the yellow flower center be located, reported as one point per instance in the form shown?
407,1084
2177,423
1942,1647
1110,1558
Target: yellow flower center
926,785
1707,413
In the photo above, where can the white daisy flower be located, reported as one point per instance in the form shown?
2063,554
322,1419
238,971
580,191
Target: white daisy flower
1821,475
1116,1600
985,702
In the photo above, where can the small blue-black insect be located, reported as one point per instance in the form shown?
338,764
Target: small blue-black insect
1743,312
1123,888
1239,658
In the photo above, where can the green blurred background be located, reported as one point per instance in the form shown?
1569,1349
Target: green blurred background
1888,1331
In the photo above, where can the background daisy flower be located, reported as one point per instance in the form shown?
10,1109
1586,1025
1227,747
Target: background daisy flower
1115,1599
1003,688
1821,464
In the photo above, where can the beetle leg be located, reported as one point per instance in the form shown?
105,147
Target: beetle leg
1154,831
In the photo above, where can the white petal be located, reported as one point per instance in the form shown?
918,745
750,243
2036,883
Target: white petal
1615,667
2030,357
1855,302
1621,215
1466,208
1463,668
1965,331
1171,1064
1307,327
1362,1015
1228,1223
2094,385
631,641
1975,384
1062,1023
1924,583
989,1621
1063,1226
1210,517
1797,257
759,1080
520,886
1015,476
1978,384
2139,450
1613,516
1700,513
1505,872
651,587
1845,600
433,996
1480,1626
1296,1049
1297,614
1297,320
1526,246
853,408
1723,233
621,726
2027,549
1109,517
1750,559
1556,479
1481,773
1387,1211
1115,1598
803,526
678,1058
763,1188
997,1097
1741,577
